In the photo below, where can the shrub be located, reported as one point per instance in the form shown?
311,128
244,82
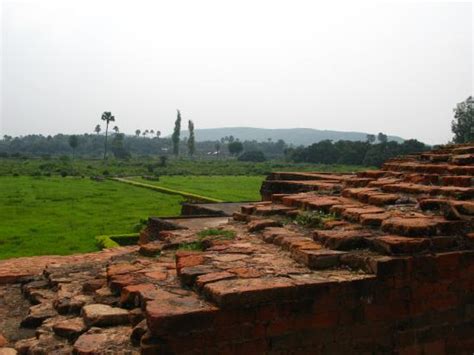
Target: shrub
63,173
253,156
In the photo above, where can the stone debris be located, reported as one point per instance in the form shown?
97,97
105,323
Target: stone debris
379,261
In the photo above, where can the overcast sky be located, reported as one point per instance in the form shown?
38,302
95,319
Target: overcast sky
399,68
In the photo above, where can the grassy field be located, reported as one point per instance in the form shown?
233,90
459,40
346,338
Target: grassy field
151,166
226,188
63,215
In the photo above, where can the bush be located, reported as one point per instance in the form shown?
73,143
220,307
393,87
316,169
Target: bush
63,173
253,156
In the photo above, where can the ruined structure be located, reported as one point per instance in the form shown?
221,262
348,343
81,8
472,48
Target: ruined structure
375,262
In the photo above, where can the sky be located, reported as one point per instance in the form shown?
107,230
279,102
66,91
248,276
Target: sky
392,67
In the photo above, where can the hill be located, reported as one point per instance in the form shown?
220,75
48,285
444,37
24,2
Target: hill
296,136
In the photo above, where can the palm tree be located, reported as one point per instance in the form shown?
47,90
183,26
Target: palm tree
107,117
116,129
97,129
137,132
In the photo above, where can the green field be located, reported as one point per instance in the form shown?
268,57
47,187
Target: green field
226,188
41,216
138,166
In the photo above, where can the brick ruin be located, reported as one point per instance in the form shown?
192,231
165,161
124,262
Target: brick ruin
374,262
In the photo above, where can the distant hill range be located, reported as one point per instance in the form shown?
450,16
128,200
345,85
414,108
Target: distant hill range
295,136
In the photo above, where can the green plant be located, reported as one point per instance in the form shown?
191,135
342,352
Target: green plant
313,219
213,232
194,246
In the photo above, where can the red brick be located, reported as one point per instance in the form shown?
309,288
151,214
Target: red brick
400,245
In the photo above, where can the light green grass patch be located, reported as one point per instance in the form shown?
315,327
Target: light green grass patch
226,188
44,216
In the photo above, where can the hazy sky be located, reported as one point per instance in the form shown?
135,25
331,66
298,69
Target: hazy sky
356,66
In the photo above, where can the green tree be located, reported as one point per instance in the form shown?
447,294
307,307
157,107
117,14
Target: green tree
371,138
137,132
463,123
191,139
176,134
116,129
97,129
107,117
382,138
118,148
73,143
235,148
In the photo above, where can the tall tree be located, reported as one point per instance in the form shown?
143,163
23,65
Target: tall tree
176,134
371,138
97,129
463,123
158,134
382,138
191,139
116,129
107,117
73,143
137,132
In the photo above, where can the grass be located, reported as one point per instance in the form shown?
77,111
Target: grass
313,219
189,196
207,235
226,188
41,216
151,166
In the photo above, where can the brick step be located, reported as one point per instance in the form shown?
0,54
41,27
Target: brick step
435,179
419,189
421,226
461,208
270,187
435,157
372,174
303,249
469,149
343,239
462,159
375,196
298,176
441,169
358,182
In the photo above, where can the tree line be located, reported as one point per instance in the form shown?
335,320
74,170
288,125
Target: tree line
353,153
373,152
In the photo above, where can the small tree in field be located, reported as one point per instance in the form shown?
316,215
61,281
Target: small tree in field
463,123
97,129
137,132
107,117
176,134
191,139
73,143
